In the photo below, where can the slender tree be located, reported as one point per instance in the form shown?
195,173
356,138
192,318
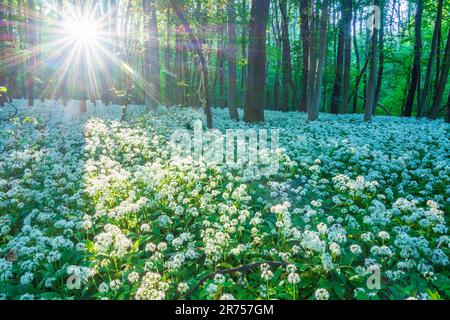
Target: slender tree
256,73
443,77
313,107
336,98
414,86
432,57
371,85
196,45
347,13
231,56
286,61
32,42
305,12
152,87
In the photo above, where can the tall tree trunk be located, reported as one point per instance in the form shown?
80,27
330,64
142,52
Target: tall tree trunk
305,12
243,50
414,86
231,55
32,41
196,46
178,68
152,87
440,86
256,74
12,79
221,65
426,86
380,57
371,85
336,98
358,65
347,12
168,83
277,40
286,64
313,109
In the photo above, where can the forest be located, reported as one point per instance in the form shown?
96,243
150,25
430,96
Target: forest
224,149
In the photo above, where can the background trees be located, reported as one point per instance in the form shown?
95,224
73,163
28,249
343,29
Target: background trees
292,55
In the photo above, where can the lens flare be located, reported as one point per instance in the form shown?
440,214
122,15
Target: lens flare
83,31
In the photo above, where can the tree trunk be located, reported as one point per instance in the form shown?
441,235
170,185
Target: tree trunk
371,86
243,50
305,32
231,55
220,66
336,98
440,87
32,41
416,72
426,86
168,83
256,74
277,40
358,65
380,58
152,87
347,12
286,61
313,110
196,46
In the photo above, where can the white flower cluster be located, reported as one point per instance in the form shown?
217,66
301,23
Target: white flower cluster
103,199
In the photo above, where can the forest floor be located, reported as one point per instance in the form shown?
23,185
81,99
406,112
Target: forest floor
95,208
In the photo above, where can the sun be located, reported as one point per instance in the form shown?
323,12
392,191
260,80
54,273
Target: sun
83,31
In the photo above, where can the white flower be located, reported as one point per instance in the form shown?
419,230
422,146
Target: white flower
145,227
322,294
27,278
103,287
293,278
383,235
133,277
355,249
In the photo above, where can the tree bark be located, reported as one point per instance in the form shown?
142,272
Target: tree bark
440,87
168,83
336,98
256,74
231,56
426,86
198,49
371,86
32,41
358,64
305,9
416,72
152,87
286,61
221,65
313,110
380,58
347,12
